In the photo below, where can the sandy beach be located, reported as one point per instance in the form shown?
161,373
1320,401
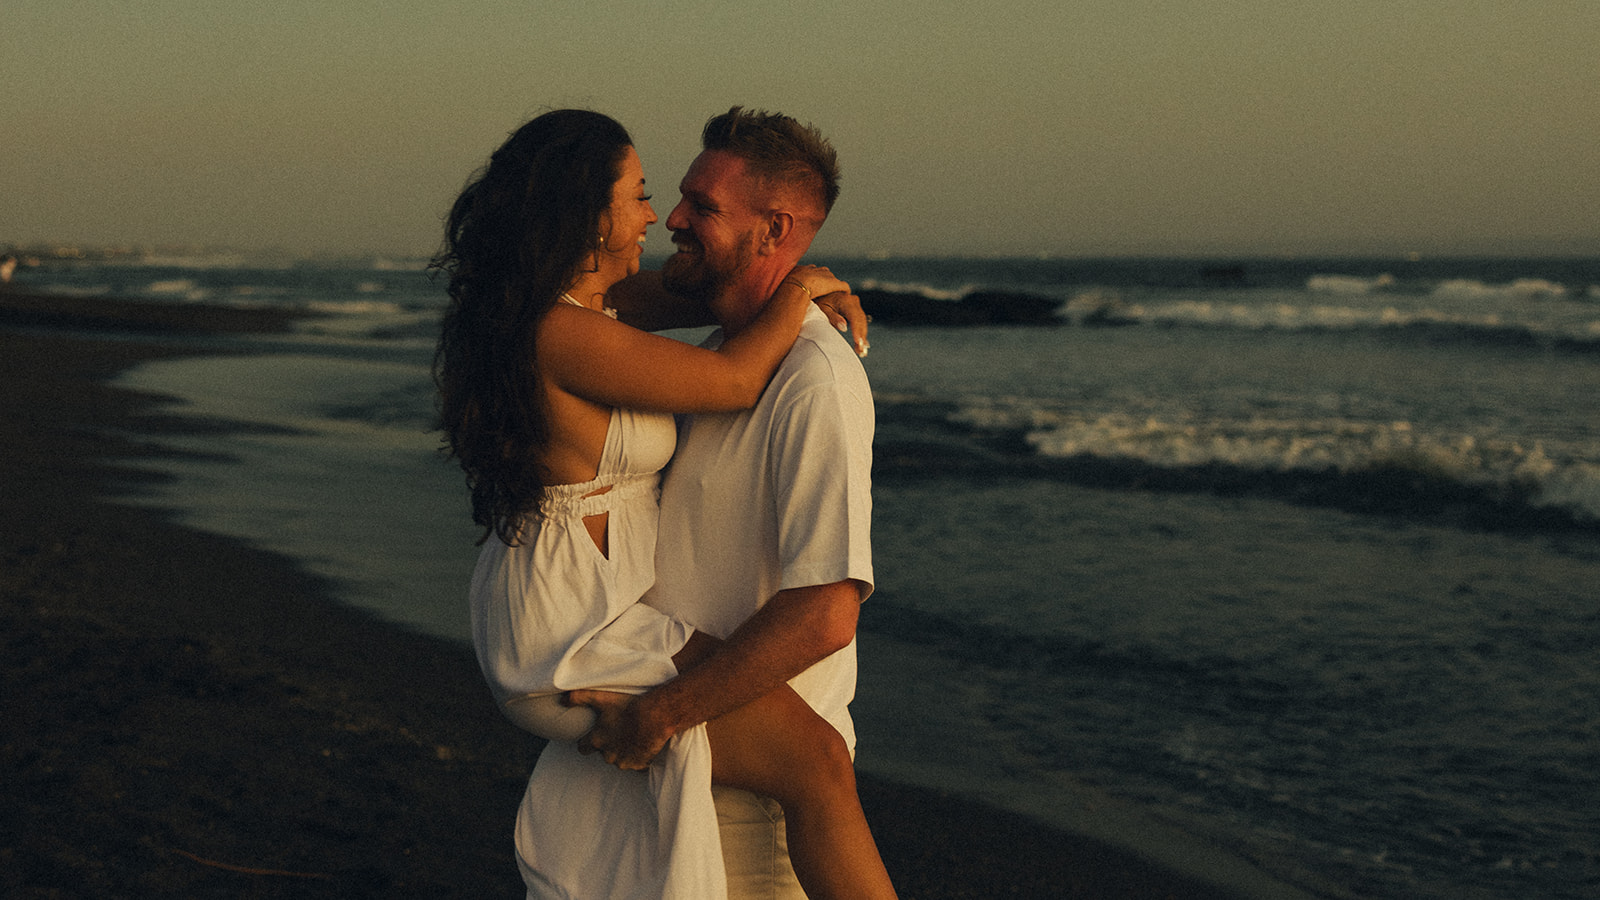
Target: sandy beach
185,716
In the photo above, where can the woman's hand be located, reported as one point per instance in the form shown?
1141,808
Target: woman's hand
622,734
844,310
832,295
818,280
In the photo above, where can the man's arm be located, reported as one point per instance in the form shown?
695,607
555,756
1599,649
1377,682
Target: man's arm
795,630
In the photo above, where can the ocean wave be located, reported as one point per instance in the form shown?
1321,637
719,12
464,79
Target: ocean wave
1474,289
188,290
1000,646
355,307
1519,289
97,289
411,265
925,291
1463,311
221,260
1437,326
1335,460
369,320
185,289
1349,284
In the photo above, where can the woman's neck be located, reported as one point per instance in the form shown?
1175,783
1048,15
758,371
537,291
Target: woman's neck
591,287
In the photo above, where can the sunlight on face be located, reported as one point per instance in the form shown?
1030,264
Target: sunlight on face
630,215
715,227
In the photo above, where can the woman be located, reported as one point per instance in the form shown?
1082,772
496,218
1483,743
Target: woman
561,418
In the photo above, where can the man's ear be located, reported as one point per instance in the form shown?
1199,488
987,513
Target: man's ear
780,227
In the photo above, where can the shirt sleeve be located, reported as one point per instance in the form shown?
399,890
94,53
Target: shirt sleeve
821,456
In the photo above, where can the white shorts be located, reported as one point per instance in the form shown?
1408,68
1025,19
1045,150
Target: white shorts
755,849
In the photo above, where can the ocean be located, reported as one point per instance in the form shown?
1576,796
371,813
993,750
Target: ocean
1283,571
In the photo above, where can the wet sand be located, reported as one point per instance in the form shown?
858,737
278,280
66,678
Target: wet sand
184,716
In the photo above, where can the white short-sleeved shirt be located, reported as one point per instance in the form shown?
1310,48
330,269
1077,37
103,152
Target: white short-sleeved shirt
773,498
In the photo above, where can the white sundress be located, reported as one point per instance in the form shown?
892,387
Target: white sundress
555,614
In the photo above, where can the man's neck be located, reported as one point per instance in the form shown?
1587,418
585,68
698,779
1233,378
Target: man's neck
742,304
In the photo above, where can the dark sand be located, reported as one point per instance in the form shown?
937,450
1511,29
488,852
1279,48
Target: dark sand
184,716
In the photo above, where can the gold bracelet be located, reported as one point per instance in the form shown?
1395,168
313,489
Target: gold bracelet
798,285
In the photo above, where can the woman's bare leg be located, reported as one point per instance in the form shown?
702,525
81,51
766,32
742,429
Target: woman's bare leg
778,747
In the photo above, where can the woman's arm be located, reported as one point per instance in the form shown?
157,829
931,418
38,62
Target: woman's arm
641,300
553,718
598,359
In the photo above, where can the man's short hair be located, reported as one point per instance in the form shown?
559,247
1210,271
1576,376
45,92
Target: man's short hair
778,148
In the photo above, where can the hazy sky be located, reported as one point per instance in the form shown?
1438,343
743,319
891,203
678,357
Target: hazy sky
1065,127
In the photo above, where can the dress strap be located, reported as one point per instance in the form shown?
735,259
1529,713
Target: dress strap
568,298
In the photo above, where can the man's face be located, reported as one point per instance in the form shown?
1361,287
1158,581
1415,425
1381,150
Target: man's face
716,227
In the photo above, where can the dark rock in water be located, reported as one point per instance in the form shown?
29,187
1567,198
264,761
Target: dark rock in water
1003,308
913,309
976,308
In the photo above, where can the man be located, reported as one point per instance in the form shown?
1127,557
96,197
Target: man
765,514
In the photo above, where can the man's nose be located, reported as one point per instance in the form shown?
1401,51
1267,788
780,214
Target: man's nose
676,220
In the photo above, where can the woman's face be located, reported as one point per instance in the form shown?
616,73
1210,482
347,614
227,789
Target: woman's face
630,214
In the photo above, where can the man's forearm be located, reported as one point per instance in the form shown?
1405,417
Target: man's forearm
795,630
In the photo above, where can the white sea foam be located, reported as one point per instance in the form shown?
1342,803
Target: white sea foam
171,286
257,295
1520,289
1576,486
923,290
1096,303
178,289
1287,316
1348,284
355,307
1563,477
384,264
362,320
204,260
76,290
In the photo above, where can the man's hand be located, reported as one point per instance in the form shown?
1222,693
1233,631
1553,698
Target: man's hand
622,733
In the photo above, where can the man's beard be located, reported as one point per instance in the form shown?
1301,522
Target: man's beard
698,277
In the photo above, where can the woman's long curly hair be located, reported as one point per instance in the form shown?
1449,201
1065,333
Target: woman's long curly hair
519,235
